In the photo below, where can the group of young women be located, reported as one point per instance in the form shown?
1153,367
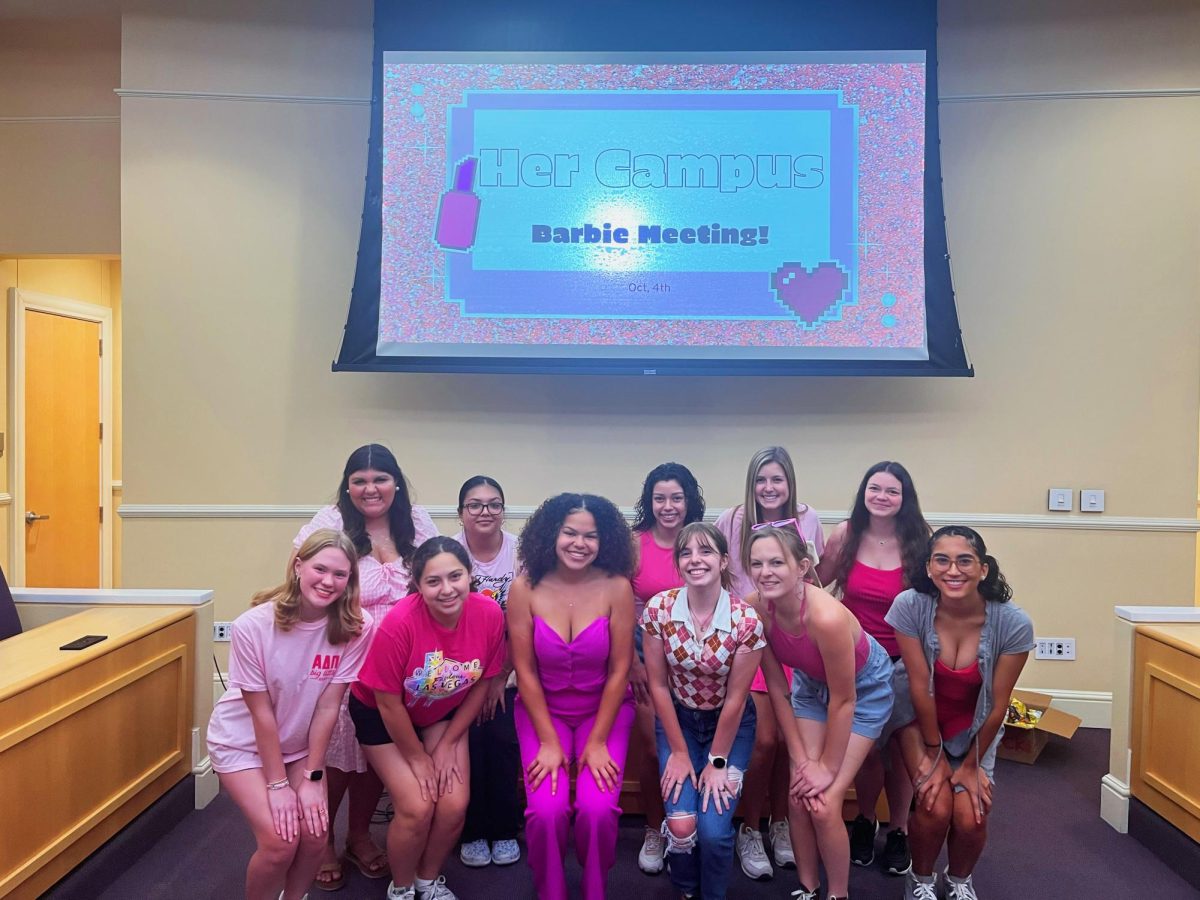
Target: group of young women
483,661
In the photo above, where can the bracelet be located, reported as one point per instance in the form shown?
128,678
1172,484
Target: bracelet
278,785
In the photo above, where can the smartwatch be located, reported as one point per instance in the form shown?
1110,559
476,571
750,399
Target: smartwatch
717,762
314,774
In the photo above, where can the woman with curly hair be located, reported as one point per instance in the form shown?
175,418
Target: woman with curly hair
671,498
570,628
374,509
291,658
964,645
872,557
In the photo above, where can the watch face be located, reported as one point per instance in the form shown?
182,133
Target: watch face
317,775
718,762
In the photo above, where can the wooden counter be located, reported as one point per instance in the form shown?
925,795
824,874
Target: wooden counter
1165,771
89,738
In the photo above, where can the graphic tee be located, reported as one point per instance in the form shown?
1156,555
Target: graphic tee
430,666
293,667
494,578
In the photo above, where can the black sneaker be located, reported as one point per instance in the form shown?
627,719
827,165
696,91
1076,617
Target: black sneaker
896,858
862,841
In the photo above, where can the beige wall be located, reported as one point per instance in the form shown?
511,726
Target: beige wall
1073,236
59,130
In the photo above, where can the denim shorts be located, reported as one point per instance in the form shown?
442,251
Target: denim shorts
872,688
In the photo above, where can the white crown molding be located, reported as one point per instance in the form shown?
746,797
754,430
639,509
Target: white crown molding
5,499
1136,94
54,120
140,94
1081,522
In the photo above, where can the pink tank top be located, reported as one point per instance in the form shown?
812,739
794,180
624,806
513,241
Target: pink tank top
956,693
801,652
868,594
572,672
655,573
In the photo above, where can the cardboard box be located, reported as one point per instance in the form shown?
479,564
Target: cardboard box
1024,744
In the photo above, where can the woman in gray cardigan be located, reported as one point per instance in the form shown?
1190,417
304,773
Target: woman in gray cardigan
964,645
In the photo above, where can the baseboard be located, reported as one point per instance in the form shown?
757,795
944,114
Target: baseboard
1176,850
1114,803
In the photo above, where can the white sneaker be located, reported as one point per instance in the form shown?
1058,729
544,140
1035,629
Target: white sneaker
650,857
505,853
405,893
475,854
437,891
959,890
780,837
752,855
916,888
803,894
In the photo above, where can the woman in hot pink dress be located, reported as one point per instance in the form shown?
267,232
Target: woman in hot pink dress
570,626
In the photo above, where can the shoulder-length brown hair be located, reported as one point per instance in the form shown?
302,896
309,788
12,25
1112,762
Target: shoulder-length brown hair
344,616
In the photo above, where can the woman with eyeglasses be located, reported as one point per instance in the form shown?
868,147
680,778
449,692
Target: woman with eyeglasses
964,645
833,709
375,510
770,496
493,816
871,557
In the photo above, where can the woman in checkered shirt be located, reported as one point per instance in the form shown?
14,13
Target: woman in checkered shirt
702,649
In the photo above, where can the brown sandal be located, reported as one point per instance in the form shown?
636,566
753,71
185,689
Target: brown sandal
374,867
333,884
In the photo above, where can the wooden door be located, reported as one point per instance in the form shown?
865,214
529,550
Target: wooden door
62,451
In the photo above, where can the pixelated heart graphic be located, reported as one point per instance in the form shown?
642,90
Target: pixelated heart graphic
809,293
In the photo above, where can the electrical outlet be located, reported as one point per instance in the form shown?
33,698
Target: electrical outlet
221,632
1054,648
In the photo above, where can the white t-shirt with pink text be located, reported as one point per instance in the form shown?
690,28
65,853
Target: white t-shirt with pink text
293,667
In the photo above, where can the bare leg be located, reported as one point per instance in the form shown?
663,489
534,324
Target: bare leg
365,791
409,829
762,762
927,827
832,841
898,786
868,784
336,781
779,785
450,811
967,838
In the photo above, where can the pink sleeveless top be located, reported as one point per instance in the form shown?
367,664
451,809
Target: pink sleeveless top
955,692
572,672
801,652
655,573
868,594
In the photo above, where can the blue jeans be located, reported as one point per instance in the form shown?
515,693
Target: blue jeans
704,870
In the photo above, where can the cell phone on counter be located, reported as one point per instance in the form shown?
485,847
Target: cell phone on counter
86,641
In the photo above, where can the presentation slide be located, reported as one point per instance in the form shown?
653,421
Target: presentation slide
769,206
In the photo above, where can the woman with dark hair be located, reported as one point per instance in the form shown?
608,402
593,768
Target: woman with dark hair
671,498
424,682
964,645
494,817
373,508
769,496
570,626
268,734
872,557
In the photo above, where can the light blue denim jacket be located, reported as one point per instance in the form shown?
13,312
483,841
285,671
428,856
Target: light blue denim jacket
1006,629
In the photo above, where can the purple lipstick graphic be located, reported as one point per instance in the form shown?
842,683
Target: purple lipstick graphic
458,210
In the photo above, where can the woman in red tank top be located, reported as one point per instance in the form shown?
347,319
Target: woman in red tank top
868,557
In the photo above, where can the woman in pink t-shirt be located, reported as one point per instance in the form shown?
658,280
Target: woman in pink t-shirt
373,507
770,496
871,557
291,656
671,498
425,680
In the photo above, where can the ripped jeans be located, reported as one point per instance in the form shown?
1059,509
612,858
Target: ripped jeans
704,869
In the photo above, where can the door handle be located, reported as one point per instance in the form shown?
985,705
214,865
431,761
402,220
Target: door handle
31,517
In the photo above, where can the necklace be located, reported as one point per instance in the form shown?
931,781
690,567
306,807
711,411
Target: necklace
702,625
